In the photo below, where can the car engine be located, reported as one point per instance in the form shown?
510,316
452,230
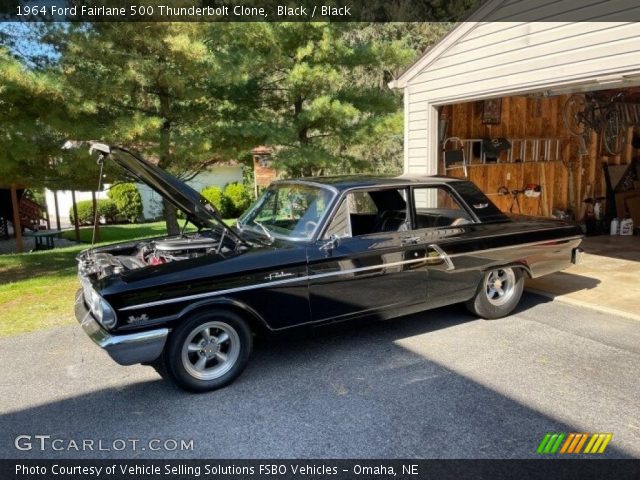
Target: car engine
172,249
155,252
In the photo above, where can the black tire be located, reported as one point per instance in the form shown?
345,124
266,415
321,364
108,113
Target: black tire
194,353
160,366
488,303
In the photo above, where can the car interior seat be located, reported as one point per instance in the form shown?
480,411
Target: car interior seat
391,221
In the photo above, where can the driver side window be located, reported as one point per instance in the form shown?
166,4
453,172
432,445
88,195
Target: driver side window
365,212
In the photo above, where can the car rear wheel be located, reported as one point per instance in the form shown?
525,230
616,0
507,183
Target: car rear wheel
498,294
208,351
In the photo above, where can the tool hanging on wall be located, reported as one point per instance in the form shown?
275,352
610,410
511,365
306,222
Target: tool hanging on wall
531,190
514,197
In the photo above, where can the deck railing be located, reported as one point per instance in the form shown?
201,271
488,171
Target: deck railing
33,215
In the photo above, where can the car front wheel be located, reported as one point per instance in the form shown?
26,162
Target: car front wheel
498,294
208,351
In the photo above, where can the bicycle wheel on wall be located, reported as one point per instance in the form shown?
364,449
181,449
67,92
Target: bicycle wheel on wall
572,114
612,133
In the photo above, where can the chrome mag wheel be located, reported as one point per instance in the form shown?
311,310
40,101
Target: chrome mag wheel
211,350
500,286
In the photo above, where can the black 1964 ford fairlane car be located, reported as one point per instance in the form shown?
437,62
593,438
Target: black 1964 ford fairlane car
308,252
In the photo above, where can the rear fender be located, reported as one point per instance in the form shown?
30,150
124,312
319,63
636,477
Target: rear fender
521,265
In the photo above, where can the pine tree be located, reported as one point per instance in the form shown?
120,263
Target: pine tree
320,91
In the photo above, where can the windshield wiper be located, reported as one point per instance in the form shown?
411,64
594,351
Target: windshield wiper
266,231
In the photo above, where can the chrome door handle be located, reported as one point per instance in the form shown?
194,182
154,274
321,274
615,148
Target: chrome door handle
443,256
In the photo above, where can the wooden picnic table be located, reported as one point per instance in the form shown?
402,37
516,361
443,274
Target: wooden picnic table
44,239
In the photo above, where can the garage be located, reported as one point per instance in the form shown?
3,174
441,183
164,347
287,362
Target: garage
543,117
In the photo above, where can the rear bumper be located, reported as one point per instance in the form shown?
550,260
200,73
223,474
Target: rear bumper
126,349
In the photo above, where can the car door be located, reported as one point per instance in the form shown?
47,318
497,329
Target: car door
366,262
441,225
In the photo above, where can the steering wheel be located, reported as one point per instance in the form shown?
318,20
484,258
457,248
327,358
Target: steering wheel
310,226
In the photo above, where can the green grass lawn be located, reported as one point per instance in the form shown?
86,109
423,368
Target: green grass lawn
119,233
37,289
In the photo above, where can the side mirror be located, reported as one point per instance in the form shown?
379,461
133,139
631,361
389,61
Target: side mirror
330,244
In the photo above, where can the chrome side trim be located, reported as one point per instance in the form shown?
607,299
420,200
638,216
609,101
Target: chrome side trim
333,274
530,244
445,258
270,284
199,296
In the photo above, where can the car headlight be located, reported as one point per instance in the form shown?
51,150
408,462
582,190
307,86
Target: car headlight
101,310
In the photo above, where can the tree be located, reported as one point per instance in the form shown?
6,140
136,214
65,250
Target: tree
32,112
155,86
319,91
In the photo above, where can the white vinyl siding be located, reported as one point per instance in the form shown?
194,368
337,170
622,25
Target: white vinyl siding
577,51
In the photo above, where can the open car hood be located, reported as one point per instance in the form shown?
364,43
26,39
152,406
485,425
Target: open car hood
199,210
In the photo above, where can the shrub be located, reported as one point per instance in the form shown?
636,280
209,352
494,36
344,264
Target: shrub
127,200
238,198
106,209
216,198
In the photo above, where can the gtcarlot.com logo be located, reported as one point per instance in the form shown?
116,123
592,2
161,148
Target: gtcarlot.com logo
573,443
48,443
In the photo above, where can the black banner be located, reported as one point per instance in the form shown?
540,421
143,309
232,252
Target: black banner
317,10
317,469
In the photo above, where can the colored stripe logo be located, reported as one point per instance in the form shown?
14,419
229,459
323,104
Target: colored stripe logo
563,443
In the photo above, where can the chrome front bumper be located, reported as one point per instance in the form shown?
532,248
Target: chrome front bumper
129,349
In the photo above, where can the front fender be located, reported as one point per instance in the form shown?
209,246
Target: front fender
254,318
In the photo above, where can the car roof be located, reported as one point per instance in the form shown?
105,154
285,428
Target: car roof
346,182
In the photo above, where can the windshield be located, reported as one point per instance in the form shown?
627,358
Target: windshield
291,211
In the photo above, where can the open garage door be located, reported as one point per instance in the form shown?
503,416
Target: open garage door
570,156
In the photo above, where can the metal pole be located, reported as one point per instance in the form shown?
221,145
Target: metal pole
57,209
17,227
95,236
75,215
96,218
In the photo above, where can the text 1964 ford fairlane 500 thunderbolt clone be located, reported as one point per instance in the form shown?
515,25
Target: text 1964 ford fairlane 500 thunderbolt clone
308,252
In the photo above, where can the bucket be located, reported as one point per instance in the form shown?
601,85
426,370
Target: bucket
626,227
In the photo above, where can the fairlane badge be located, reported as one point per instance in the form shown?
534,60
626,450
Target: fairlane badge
141,318
276,275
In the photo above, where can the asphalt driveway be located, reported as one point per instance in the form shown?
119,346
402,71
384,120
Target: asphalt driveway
439,384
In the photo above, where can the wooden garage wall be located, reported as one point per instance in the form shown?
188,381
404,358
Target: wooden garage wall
565,183
499,59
